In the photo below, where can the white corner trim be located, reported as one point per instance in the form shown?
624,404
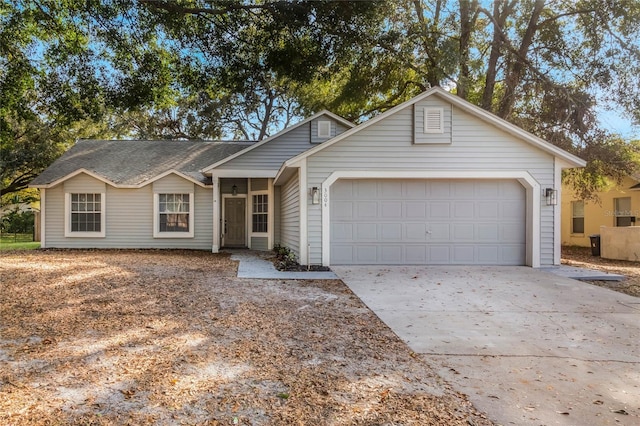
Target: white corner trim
557,216
67,217
215,247
303,194
43,218
156,217
531,185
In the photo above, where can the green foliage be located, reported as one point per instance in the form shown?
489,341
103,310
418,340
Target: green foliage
285,258
17,222
204,69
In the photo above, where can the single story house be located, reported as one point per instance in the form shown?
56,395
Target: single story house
435,180
617,206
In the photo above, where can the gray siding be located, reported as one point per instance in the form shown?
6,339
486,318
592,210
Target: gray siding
129,217
419,135
388,145
290,215
272,154
259,243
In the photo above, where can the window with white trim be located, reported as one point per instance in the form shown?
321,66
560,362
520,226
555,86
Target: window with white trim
324,129
434,120
260,213
173,215
577,217
85,215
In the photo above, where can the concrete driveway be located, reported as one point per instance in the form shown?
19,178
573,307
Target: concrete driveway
527,346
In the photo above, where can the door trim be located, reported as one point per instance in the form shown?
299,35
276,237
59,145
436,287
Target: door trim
224,214
532,188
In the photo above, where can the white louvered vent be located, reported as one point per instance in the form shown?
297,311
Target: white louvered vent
324,129
433,120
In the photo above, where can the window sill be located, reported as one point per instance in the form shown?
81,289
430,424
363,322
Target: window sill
173,235
84,235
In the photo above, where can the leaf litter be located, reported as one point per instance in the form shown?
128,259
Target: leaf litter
174,337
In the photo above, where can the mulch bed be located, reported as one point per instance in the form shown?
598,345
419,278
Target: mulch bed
173,337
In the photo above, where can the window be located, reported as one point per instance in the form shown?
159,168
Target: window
85,215
577,217
622,211
259,218
324,129
433,120
173,215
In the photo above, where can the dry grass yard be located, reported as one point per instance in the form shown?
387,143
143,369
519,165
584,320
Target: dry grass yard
173,337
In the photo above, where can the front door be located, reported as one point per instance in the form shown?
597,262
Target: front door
235,222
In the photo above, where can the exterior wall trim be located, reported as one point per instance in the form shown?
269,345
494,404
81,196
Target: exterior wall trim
303,194
43,218
532,187
216,206
116,185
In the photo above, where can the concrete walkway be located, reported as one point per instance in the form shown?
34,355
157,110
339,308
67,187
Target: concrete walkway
529,347
257,265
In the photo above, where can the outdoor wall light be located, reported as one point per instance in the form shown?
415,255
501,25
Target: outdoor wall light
315,195
234,190
552,196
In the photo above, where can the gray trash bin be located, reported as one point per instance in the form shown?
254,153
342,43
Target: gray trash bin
595,244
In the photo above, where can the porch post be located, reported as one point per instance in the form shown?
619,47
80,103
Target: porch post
216,214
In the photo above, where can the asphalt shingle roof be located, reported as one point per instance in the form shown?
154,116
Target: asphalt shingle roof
127,162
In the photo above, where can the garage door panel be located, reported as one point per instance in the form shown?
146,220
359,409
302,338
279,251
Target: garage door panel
366,232
487,209
463,209
415,254
366,254
464,254
366,209
488,232
439,232
463,232
342,210
342,232
439,210
391,209
415,210
415,232
391,231
428,222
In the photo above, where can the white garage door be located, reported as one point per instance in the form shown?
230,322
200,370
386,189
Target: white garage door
422,222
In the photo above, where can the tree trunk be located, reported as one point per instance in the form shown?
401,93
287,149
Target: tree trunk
466,26
499,19
519,62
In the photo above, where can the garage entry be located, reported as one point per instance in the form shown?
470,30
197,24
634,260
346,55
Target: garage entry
422,222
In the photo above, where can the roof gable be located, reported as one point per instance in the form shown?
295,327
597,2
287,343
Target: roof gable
279,135
569,159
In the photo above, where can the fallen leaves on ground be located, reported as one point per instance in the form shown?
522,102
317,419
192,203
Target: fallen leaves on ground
582,258
173,337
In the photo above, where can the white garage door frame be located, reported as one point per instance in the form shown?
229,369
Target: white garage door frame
532,188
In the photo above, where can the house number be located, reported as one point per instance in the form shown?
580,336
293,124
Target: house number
325,196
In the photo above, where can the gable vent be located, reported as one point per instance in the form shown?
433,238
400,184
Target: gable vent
433,120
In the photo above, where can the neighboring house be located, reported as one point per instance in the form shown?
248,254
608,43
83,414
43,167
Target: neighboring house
435,180
618,206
